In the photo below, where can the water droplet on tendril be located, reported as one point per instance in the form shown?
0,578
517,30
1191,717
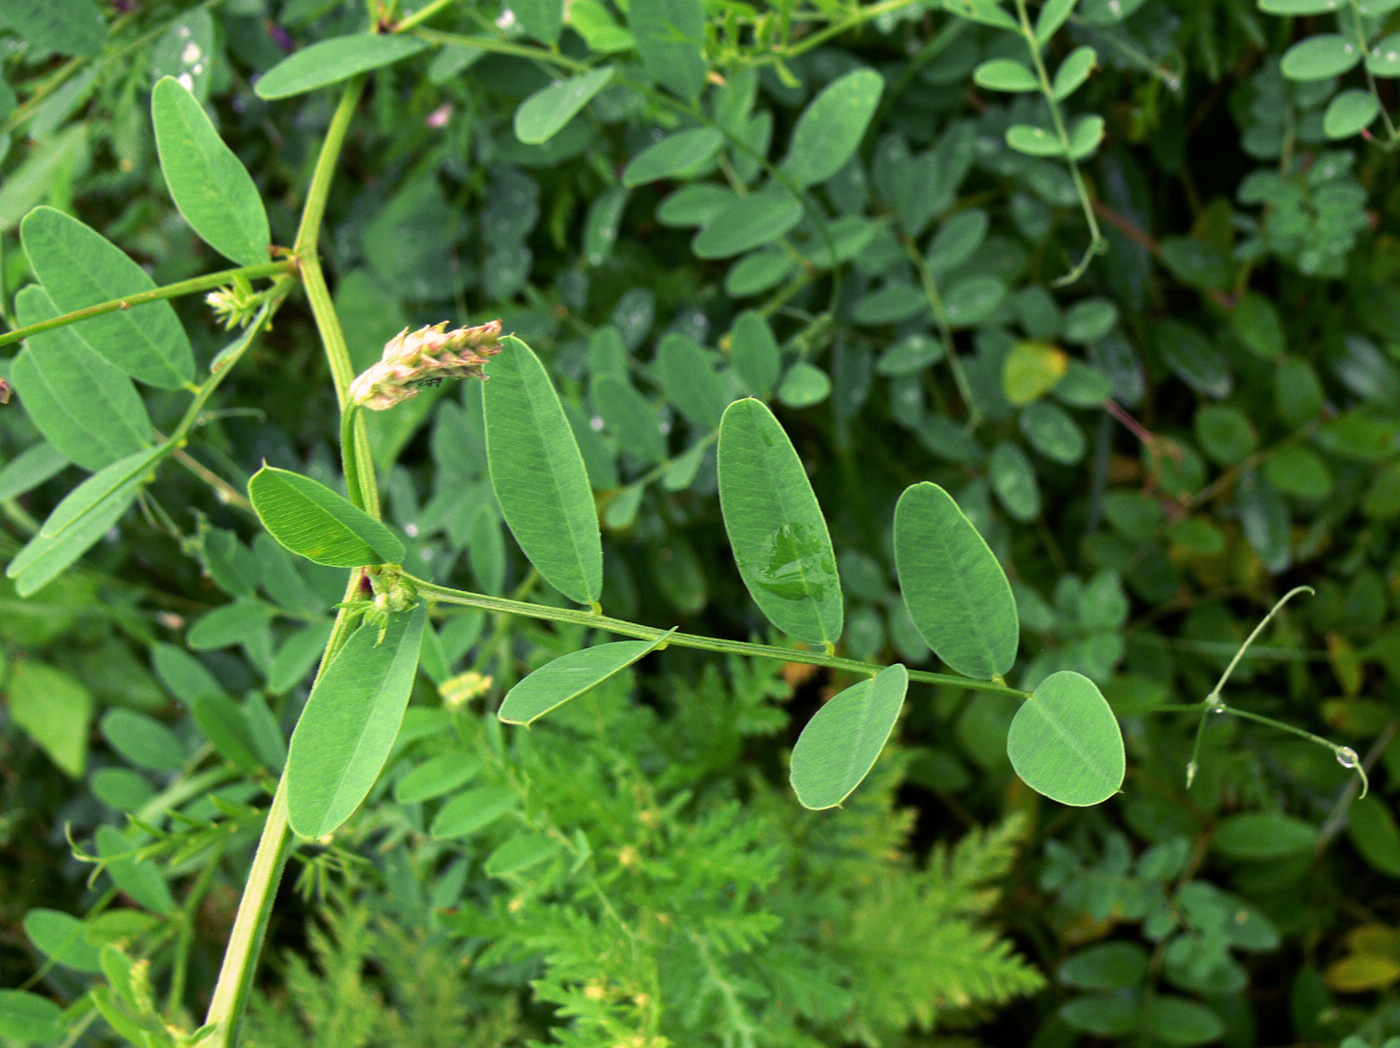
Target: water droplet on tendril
1347,758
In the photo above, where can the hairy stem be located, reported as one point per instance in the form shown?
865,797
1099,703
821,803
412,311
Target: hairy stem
193,286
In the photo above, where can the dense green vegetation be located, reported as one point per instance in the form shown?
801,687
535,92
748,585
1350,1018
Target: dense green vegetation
679,523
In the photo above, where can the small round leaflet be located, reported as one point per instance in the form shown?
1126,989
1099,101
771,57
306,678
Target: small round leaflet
1065,743
839,745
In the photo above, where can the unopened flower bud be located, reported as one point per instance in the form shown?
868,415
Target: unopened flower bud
236,305
425,357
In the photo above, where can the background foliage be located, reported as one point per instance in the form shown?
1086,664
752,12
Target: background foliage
863,213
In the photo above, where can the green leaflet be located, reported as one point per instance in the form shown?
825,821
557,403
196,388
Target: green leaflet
83,517
544,114
1320,57
62,937
208,183
538,474
1263,835
520,853
468,812
830,129
673,156
32,180
330,61
956,592
755,352
86,407
143,741
313,521
350,722
229,624
1005,74
542,19
775,526
569,676
79,267
670,38
690,381
54,709
630,417
1064,742
137,877
436,776
748,222
30,1019
71,27
840,744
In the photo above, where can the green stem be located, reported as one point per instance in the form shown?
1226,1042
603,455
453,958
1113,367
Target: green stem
945,329
249,926
1391,135
349,459
1096,240
689,640
192,286
422,15
255,907
318,295
863,15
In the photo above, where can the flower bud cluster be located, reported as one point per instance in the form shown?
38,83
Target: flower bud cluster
425,357
236,304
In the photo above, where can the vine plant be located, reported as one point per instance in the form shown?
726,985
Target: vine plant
1064,741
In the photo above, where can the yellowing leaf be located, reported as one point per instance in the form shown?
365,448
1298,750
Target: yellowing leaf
1032,369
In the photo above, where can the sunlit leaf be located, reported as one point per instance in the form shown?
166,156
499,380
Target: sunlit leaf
544,114
956,592
312,521
840,744
79,267
330,61
87,407
350,722
208,183
570,676
538,474
1065,742
775,526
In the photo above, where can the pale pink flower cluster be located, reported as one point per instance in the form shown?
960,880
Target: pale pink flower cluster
425,357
